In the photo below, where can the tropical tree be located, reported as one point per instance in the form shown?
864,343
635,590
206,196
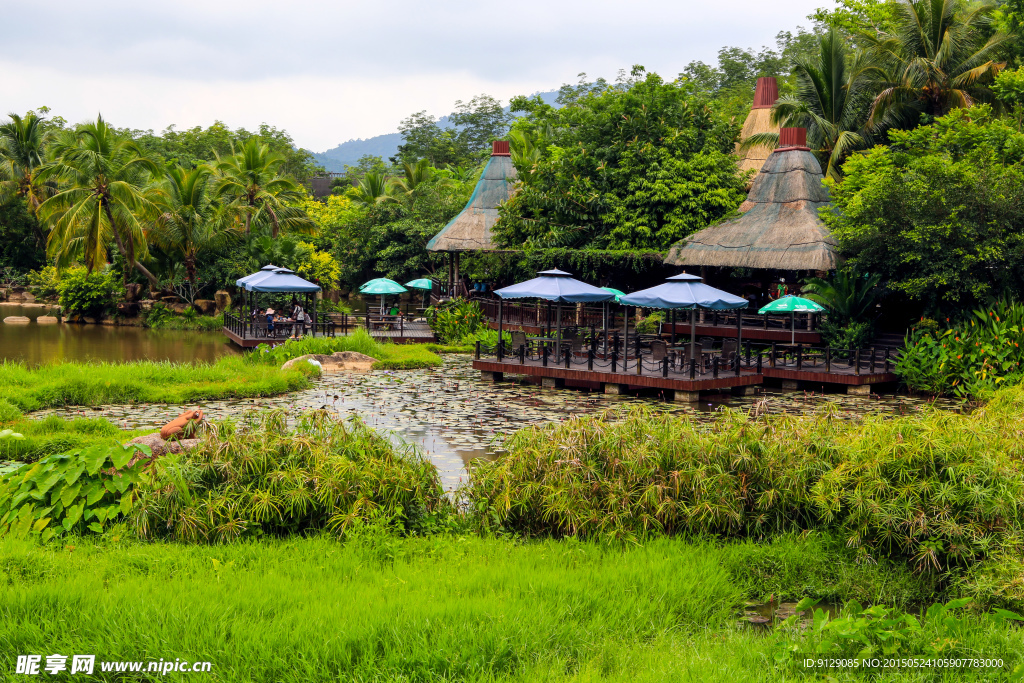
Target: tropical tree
417,178
250,180
939,56
22,155
106,196
848,295
832,102
373,189
190,221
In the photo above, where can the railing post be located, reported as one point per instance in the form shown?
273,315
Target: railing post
544,355
872,366
714,367
590,359
760,359
887,359
568,357
799,356
856,360
664,366
615,358
478,349
748,353
639,361
522,354
765,318
737,359
771,358
828,359
693,366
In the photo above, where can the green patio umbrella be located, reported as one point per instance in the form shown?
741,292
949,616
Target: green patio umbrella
792,305
383,287
424,284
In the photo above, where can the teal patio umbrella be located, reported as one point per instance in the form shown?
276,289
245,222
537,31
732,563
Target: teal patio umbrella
618,293
382,286
422,283
792,305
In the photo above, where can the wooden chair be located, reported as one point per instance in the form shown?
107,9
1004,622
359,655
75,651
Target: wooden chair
659,352
519,342
728,351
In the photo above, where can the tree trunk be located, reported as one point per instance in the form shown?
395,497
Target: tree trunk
154,284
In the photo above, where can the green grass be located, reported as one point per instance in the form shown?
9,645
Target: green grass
54,434
389,356
88,384
208,323
450,348
378,608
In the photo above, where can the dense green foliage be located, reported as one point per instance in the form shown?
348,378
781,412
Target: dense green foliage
970,358
71,492
84,293
53,435
937,213
455,319
621,168
939,491
90,384
257,477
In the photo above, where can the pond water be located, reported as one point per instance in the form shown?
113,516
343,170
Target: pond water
455,417
36,344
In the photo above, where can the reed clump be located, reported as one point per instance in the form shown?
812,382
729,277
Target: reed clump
938,490
257,477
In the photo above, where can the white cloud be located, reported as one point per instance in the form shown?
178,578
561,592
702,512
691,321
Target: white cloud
329,71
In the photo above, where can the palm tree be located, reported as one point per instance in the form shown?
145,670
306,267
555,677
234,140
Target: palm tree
250,180
372,189
848,295
22,155
937,58
106,196
831,102
416,178
190,221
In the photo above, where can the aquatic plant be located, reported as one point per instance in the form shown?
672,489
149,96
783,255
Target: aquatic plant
257,477
389,356
455,319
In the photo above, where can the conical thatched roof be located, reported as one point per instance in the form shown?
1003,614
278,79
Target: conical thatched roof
780,229
759,121
471,229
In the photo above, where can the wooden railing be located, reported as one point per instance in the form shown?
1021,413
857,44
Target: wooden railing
247,329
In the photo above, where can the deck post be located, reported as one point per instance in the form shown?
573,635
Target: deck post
799,356
739,338
887,359
771,358
760,358
544,355
590,359
685,396
673,337
477,356
872,360
664,366
714,367
625,340
568,357
500,322
748,353
693,366
828,359
856,360
639,360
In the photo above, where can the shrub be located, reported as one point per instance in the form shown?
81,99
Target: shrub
73,492
455,319
257,477
937,490
85,293
651,323
44,284
8,411
851,335
969,359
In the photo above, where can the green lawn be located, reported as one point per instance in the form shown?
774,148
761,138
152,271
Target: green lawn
380,608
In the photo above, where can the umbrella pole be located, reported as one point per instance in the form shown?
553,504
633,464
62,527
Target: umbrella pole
693,334
500,311
792,327
547,332
558,322
625,338
604,326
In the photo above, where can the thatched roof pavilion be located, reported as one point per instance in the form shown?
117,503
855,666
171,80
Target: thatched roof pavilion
759,120
780,229
471,229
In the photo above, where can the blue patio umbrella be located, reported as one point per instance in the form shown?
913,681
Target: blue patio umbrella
281,280
687,292
265,271
557,286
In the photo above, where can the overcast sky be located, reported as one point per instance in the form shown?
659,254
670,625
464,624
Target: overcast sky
330,71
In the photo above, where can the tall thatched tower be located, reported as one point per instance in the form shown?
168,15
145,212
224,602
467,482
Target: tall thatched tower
766,92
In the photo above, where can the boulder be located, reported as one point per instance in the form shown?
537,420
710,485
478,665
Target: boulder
161,446
88,321
16,320
177,425
339,361
47,320
168,300
128,309
132,291
205,306
178,308
223,300
147,304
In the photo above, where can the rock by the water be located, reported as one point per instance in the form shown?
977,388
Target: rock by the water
339,361
160,446
17,320
46,320
223,300
205,306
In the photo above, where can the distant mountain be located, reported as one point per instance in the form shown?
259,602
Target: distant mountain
384,146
